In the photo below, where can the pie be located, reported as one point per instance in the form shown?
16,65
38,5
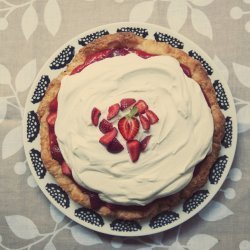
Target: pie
132,129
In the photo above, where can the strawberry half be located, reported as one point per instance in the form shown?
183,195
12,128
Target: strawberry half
134,149
152,117
56,153
66,169
144,142
115,146
108,137
141,106
129,125
127,102
144,122
95,114
53,105
51,119
186,70
105,126
113,111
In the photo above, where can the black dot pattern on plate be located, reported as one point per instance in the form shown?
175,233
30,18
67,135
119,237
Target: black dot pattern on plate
33,126
193,202
205,65
90,38
58,194
40,89
227,140
89,216
163,219
63,58
218,169
37,163
174,42
220,94
125,226
137,31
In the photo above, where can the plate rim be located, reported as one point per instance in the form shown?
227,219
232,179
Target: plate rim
154,27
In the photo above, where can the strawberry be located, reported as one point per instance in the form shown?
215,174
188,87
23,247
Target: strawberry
95,201
113,111
144,142
186,70
143,54
95,114
129,125
134,149
91,59
152,117
127,102
115,146
105,126
53,138
120,52
56,152
53,105
51,119
141,106
144,122
108,137
66,169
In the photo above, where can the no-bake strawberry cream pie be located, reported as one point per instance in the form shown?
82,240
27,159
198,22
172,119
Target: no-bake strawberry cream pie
131,127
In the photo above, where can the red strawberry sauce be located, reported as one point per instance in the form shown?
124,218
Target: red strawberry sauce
95,201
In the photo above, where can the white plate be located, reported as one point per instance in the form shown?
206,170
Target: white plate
86,217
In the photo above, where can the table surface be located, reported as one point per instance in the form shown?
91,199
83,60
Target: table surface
30,32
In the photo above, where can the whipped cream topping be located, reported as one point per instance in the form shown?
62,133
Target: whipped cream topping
179,141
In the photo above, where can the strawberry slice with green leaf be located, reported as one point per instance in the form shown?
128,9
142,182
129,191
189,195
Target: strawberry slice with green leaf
152,117
113,111
141,106
134,149
129,125
108,137
126,102
144,122
95,114
115,146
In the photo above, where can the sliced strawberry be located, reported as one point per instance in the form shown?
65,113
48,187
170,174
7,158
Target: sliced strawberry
127,102
152,117
113,111
56,153
143,54
66,169
120,52
95,201
144,122
108,137
95,114
53,105
144,142
115,146
128,127
134,149
141,106
186,70
105,126
51,119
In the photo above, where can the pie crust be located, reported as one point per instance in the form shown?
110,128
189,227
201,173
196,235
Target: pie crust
198,73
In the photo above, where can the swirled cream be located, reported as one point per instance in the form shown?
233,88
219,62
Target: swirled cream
180,140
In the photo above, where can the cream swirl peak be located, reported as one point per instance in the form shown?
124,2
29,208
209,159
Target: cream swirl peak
180,140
